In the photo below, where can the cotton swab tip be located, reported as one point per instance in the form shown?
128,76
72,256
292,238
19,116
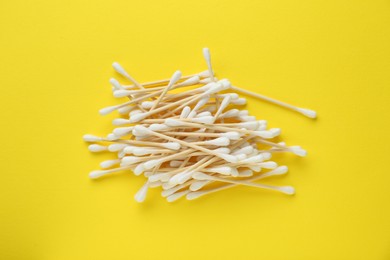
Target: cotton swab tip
289,190
138,117
109,163
175,77
120,121
308,112
96,174
280,170
91,138
229,158
97,148
172,146
173,122
107,110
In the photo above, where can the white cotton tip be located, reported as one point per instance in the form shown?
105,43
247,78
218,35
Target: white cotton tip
225,84
176,196
121,154
194,195
141,194
169,192
225,102
173,122
228,158
121,131
97,174
244,113
239,101
245,150
167,185
121,93
107,110
112,137
125,110
225,170
135,112
232,95
109,163
172,146
252,125
223,150
192,114
115,84
91,138
191,81
266,156
175,178
118,68
245,173
287,190
298,151
157,176
215,88
139,169
204,74
158,127
185,112
138,117
241,157
231,135
120,121
220,141
275,131
139,134
254,159
261,128
142,130
147,104
206,54
200,176
97,148
264,134
203,101
255,168
203,114
129,149
116,147
175,164
181,177
235,172
152,163
197,185
279,170
206,80
139,151
308,112
127,160
247,118
175,77
268,165
204,120
230,113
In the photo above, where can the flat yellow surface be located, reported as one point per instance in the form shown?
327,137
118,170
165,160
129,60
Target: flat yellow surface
332,56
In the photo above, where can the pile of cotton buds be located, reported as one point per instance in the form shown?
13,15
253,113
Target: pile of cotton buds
190,142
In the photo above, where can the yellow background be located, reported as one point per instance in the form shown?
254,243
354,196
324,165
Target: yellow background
329,55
